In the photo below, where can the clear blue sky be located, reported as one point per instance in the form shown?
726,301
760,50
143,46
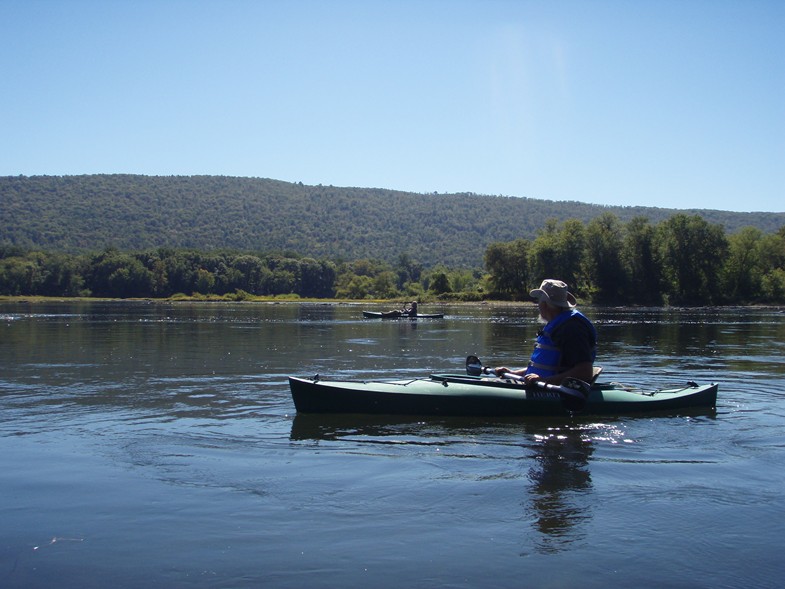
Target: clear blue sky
621,102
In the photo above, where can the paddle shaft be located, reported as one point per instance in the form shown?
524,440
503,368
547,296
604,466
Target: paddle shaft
579,389
509,375
533,383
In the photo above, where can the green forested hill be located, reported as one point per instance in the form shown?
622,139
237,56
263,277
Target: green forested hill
129,212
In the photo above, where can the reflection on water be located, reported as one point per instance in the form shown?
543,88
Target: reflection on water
560,487
557,483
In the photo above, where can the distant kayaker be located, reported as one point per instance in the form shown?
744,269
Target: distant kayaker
410,309
567,345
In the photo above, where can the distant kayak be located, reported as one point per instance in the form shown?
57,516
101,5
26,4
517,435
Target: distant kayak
400,315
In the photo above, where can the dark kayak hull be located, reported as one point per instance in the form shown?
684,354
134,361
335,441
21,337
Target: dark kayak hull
399,315
455,395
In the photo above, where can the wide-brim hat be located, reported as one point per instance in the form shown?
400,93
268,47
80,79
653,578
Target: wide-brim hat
555,292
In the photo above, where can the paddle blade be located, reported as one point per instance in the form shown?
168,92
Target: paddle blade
574,393
575,384
473,366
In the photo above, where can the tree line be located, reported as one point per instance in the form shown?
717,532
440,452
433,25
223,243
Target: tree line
168,273
684,260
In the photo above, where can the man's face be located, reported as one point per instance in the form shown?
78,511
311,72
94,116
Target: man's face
542,307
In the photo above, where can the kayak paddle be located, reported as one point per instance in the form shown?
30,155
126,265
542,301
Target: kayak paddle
573,391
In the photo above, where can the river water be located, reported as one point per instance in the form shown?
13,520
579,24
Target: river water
156,445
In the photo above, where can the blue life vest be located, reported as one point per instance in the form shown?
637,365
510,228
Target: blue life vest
546,358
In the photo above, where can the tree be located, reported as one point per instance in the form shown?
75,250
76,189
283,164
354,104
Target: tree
205,281
772,254
180,272
384,285
407,270
252,274
644,275
692,253
508,268
773,286
743,270
18,276
572,245
352,286
772,250
440,283
558,253
317,278
118,275
603,268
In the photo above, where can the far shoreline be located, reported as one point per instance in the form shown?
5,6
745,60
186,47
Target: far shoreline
177,300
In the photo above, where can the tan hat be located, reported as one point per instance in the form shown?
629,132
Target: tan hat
555,292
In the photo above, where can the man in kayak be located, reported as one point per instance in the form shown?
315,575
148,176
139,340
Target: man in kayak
410,309
566,346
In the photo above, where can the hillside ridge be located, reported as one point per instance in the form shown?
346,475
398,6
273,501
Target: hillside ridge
137,212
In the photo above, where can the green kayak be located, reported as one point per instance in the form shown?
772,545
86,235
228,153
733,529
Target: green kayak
449,394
